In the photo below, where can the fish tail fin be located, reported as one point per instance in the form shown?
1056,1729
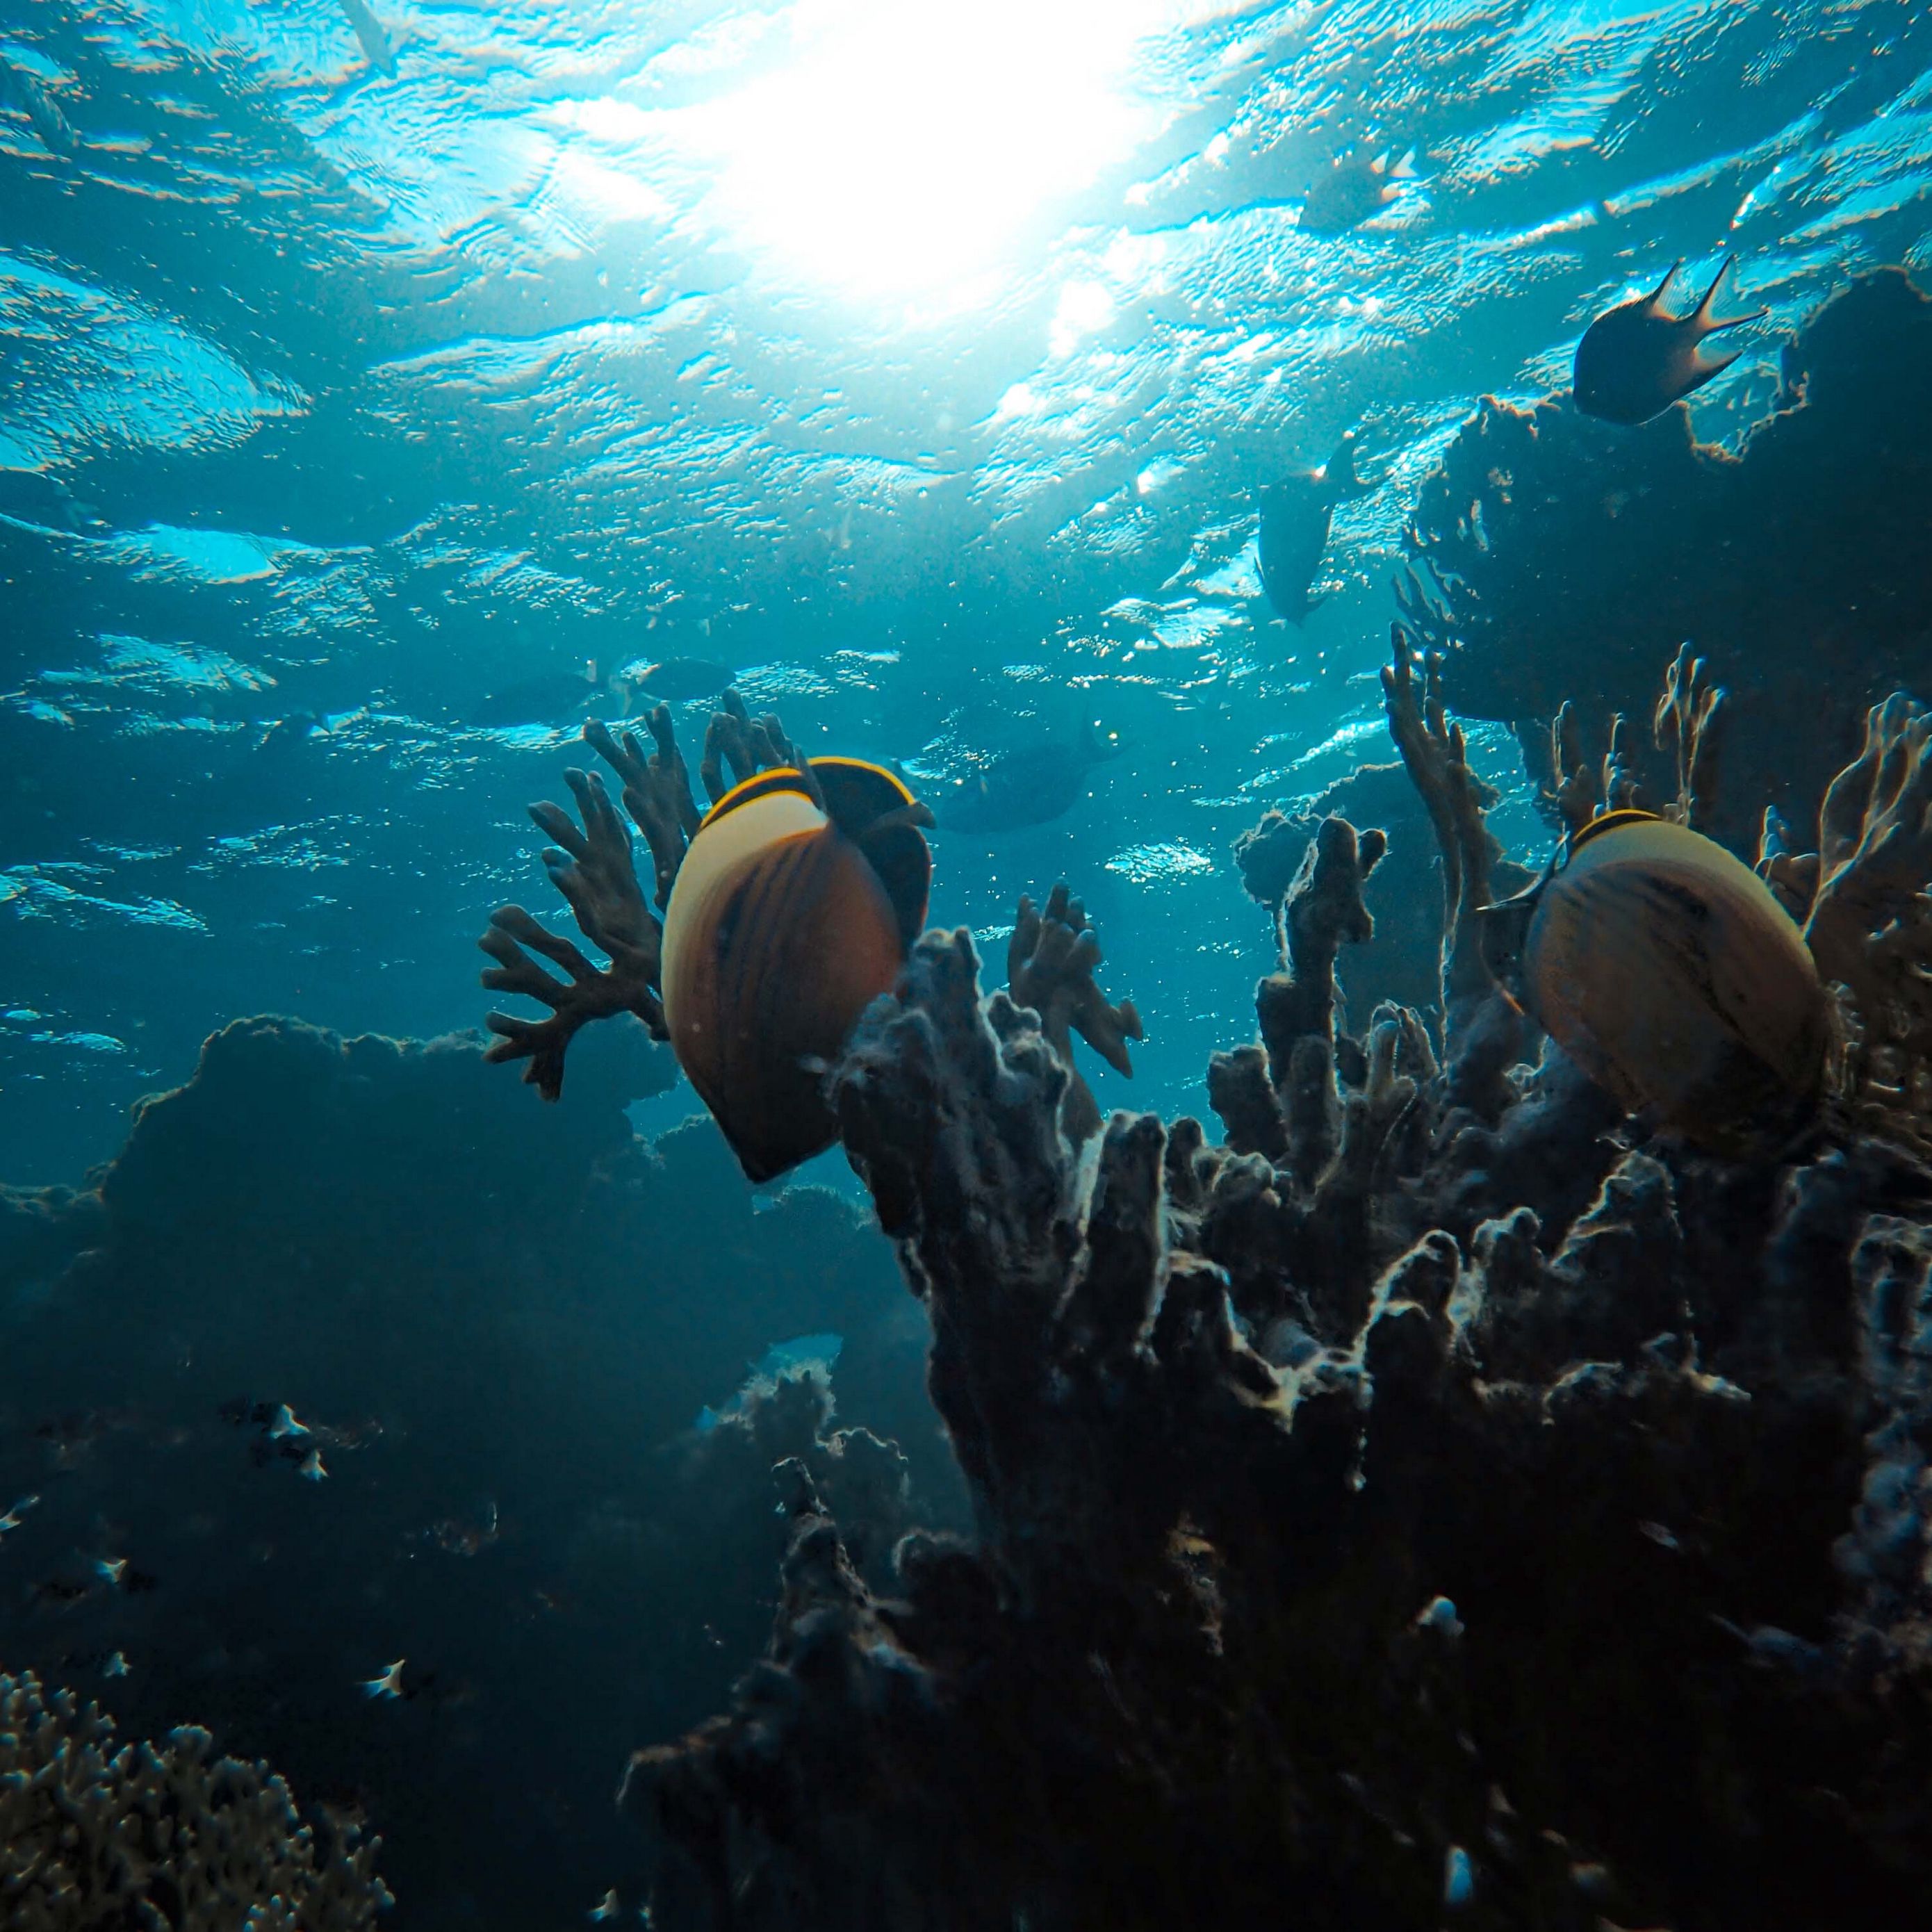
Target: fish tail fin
1707,367
1343,478
1702,313
1404,169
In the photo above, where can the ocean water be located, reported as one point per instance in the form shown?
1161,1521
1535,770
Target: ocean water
362,370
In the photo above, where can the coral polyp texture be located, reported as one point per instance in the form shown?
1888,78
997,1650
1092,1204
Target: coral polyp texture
1559,557
97,1836
1441,1502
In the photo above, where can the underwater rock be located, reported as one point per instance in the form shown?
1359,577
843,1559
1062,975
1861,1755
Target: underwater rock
1450,1498
94,1835
1562,558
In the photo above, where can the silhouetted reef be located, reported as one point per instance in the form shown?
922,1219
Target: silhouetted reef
349,1357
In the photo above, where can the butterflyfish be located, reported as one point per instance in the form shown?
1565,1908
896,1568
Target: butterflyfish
793,909
1638,358
1664,967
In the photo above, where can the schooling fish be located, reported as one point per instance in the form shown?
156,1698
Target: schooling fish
791,913
1663,967
1031,787
1355,187
1296,513
677,679
1636,359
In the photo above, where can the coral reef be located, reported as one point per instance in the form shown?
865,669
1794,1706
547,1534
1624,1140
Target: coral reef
1440,1503
93,1838
1558,557
344,1361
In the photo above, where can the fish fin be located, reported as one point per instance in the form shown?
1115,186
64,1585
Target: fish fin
1405,168
1702,313
1734,321
1704,369
1502,931
1664,287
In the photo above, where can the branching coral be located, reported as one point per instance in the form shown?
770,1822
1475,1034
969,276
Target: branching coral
1564,558
1434,1501
95,1838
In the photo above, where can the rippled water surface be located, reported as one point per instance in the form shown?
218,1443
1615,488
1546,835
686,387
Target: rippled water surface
919,363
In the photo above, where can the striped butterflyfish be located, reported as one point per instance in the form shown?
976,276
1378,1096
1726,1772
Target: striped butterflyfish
788,919
1663,967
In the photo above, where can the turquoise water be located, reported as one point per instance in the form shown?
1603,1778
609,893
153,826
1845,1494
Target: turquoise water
374,375
919,363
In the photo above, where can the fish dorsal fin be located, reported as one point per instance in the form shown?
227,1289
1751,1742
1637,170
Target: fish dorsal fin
760,785
1608,821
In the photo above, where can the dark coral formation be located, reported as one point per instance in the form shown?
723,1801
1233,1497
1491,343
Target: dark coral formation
347,1359
94,1838
1437,1504
1566,558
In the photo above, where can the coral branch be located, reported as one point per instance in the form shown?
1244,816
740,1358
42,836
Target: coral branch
1437,758
593,870
1874,840
657,791
1688,725
1051,958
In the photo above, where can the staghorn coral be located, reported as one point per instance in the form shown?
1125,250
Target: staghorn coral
161,1837
1437,1504
1558,557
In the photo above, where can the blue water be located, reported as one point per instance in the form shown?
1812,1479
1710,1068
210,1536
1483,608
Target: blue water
919,363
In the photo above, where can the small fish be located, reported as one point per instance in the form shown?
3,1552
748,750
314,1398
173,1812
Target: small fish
116,1665
12,1519
376,47
791,913
1032,786
284,1423
1356,186
1295,516
311,1470
1636,359
389,1684
1663,967
607,1907
677,680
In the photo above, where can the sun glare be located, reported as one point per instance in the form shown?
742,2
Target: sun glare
903,147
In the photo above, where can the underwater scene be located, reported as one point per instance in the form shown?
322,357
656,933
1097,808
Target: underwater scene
965,968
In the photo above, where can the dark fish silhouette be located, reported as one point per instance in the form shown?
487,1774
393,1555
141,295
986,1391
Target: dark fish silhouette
678,678
1031,787
793,911
1663,967
557,697
375,42
1636,359
1355,187
1296,513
